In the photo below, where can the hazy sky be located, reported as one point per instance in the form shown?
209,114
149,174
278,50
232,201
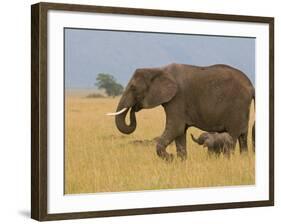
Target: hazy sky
89,52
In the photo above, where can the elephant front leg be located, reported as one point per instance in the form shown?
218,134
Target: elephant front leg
177,133
181,146
161,146
162,153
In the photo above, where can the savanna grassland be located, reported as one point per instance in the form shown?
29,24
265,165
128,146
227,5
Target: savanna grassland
98,158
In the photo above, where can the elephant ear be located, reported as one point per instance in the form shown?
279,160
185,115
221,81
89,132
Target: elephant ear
161,90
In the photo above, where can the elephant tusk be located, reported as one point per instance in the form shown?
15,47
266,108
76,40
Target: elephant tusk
117,113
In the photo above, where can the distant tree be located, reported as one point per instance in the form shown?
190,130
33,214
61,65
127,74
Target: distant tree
109,84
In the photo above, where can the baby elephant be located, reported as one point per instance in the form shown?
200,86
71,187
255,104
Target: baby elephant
215,142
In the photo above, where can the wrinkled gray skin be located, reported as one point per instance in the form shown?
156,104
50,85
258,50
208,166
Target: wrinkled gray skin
214,99
215,142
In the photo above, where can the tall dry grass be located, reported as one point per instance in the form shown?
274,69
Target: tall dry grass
98,158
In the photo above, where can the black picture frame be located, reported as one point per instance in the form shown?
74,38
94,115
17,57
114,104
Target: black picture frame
39,108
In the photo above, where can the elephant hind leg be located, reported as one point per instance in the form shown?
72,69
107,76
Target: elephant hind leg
254,136
243,142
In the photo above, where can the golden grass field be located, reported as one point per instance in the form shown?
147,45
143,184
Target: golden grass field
98,158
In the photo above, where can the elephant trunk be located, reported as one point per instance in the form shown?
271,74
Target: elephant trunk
196,140
120,121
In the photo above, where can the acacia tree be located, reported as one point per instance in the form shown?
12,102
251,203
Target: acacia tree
109,84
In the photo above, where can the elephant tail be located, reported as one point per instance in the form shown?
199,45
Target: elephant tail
254,136
194,139
254,97
254,125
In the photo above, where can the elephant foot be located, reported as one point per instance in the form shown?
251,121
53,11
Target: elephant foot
182,156
165,156
243,151
169,158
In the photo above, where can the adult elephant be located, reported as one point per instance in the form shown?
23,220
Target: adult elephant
215,99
